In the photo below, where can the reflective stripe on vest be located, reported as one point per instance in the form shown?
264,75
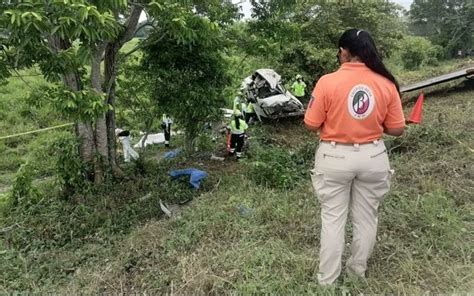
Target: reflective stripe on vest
238,131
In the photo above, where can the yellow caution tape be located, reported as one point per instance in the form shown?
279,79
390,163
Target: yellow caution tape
36,131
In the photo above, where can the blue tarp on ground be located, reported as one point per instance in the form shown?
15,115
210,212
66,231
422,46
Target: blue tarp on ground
195,176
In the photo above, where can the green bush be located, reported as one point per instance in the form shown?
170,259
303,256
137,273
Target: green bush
70,170
204,142
303,58
23,190
413,52
275,167
416,51
436,52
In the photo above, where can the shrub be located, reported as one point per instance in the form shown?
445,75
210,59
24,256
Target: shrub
279,168
304,58
412,52
415,51
23,190
70,170
436,52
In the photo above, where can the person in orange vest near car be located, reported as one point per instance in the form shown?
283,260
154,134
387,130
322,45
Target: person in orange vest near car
351,109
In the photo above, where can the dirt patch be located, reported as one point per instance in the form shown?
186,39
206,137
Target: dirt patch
289,132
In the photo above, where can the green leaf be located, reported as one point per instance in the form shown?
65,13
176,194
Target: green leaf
25,14
37,27
55,29
37,16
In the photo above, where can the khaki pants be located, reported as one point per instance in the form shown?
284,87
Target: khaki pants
355,177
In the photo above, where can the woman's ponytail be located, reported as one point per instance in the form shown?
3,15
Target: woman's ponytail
360,44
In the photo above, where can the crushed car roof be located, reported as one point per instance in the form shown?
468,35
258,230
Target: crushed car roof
270,76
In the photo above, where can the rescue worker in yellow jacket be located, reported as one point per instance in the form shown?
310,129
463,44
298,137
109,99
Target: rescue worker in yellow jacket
239,102
237,128
299,87
250,115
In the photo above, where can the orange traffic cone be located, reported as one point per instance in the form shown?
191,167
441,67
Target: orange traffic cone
416,114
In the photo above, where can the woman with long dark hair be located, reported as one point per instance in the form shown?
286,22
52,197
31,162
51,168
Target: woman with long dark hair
352,108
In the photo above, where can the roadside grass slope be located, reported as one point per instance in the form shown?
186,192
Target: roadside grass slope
254,227
250,238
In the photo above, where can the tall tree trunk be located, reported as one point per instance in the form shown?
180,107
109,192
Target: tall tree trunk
102,162
190,139
85,134
110,120
110,63
84,130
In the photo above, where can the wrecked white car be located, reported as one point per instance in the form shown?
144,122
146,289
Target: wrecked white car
270,98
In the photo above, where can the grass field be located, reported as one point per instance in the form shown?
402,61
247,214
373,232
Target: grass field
254,226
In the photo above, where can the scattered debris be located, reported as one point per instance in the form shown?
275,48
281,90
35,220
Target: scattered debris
245,211
165,209
227,112
213,157
195,176
183,202
173,209
151,139
146,196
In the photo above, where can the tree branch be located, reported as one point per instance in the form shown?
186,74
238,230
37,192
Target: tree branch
126,35
131,25
142,45
145,25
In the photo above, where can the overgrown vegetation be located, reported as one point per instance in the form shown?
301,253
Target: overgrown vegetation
253,227
249,236
188,80
417,51
273,165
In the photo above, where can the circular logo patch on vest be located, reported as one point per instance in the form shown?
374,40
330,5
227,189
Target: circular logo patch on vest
361,101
